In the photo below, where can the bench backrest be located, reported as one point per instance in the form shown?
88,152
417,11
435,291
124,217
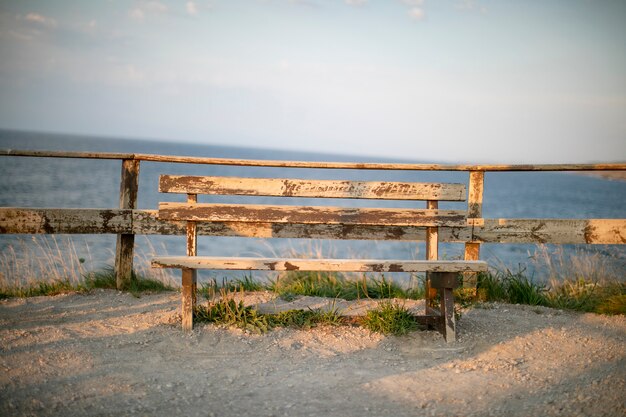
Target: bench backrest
300,221
326,215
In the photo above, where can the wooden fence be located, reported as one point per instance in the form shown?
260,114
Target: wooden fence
127,221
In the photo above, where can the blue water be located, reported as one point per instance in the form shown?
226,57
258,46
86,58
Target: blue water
59,182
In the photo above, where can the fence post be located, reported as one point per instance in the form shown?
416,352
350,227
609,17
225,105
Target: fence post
432,254
474,211
129,186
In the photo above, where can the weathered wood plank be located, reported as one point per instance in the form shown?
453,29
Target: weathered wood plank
475,198
17,220
590,231
66,154
446,303
21,220
124,249
620,166
472,253
297,264
188,296
381,166
310,214
192,250
445,280
432,253
285,187
146,222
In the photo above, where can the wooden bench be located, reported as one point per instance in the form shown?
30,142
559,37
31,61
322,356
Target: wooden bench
319,222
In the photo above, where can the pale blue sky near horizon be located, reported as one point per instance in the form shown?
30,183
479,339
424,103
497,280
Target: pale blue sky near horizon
430,80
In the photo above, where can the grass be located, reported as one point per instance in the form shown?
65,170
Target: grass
334,285
51,266
228,312
41,288
579,282
389,319
104,278
607,297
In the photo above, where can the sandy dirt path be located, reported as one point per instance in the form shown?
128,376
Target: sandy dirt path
110,354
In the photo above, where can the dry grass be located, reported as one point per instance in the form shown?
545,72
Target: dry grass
47,265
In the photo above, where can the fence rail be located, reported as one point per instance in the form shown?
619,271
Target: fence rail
127,221
314,164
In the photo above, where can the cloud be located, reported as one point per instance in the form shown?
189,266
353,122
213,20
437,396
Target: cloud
41,20
470,6
416,13
355,2
192,9
137,14
146,8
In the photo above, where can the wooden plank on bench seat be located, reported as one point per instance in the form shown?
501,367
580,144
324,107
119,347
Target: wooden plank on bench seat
284,187
310,215
297,264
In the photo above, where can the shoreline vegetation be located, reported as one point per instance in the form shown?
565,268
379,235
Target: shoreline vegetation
574,282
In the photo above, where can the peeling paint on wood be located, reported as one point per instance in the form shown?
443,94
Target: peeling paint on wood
310,214
313,164
283,187
475,197
561,231
129,187
15,220
339,265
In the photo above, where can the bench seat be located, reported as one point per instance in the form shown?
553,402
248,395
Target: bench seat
326,265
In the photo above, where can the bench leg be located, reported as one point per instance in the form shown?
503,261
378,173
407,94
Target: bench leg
189,297
447,314
445,282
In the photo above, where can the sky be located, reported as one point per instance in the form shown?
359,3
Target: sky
473,81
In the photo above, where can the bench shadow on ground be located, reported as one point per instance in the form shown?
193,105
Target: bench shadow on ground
117,366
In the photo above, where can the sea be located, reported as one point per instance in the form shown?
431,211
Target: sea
61,182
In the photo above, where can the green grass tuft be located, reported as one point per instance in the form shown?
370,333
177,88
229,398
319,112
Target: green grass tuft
334,285
228,312
105,278
389,319
572,294
305,319
247,283
615,304
42,288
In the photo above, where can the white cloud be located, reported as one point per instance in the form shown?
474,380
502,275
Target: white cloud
137,14
40,19
416,13
192,9
146,8
471,5
155,6
413,2
355,2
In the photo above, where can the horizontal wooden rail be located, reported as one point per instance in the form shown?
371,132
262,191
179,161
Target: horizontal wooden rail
67,154
619,166
14,220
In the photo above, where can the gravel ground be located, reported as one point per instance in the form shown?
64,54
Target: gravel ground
108,353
